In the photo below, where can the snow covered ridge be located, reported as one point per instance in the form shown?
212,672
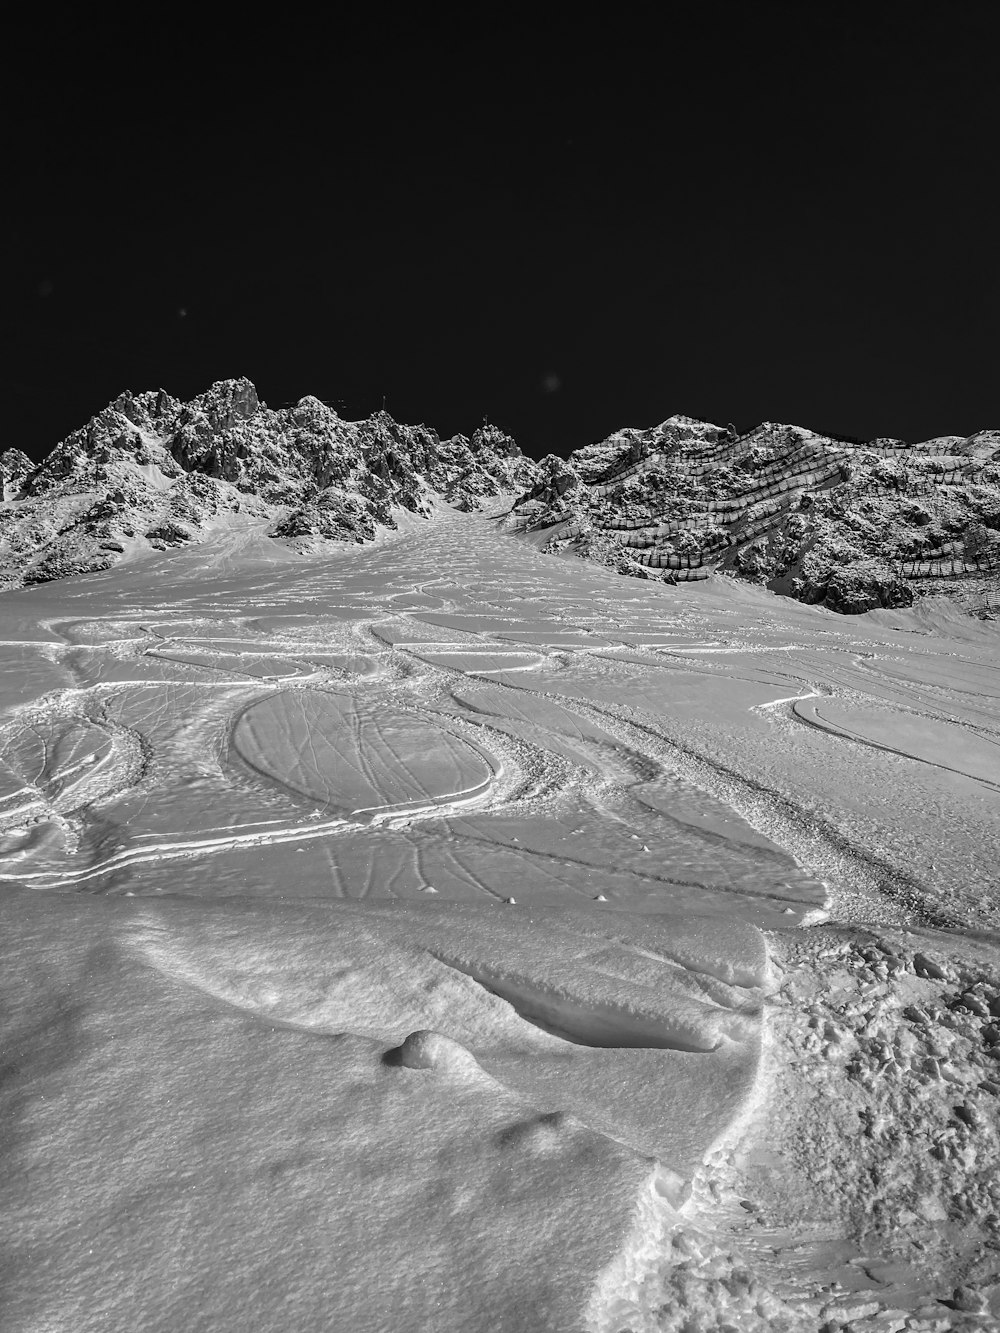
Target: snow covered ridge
150,472
853,525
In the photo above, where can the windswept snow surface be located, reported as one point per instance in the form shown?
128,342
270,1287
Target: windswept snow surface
443,936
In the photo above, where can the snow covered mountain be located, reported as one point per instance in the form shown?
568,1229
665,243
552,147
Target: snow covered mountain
851,524
150,472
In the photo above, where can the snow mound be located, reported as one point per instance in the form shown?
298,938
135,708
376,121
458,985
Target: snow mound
432,1050
214,1169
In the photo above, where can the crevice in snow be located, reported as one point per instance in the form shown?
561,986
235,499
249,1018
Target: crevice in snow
597,1024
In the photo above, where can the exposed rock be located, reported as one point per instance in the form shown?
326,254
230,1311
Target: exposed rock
864,586
559,484
14,468
331,517
169,533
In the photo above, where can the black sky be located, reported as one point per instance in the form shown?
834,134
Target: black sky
742,212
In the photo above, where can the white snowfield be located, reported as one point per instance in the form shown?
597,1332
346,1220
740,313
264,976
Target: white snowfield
444,936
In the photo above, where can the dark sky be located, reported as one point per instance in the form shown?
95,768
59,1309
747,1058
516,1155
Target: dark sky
742,212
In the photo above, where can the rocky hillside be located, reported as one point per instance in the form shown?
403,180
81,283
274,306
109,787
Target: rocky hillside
850,524
150,472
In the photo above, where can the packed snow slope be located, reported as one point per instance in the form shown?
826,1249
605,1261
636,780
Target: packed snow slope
437,934
851,524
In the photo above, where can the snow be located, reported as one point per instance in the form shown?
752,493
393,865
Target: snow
944,745
441,935
355,756
148,472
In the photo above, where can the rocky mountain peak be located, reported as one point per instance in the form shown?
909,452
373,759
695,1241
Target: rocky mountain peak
150,471
310,411
489,439
151,411
227,403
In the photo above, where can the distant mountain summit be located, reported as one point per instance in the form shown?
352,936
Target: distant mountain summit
849,524
150,472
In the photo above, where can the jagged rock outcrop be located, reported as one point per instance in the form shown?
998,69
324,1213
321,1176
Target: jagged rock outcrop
14,467
470,471
848,524
558,490
150,472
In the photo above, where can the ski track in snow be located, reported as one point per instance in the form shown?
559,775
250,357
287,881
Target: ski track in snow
549,835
